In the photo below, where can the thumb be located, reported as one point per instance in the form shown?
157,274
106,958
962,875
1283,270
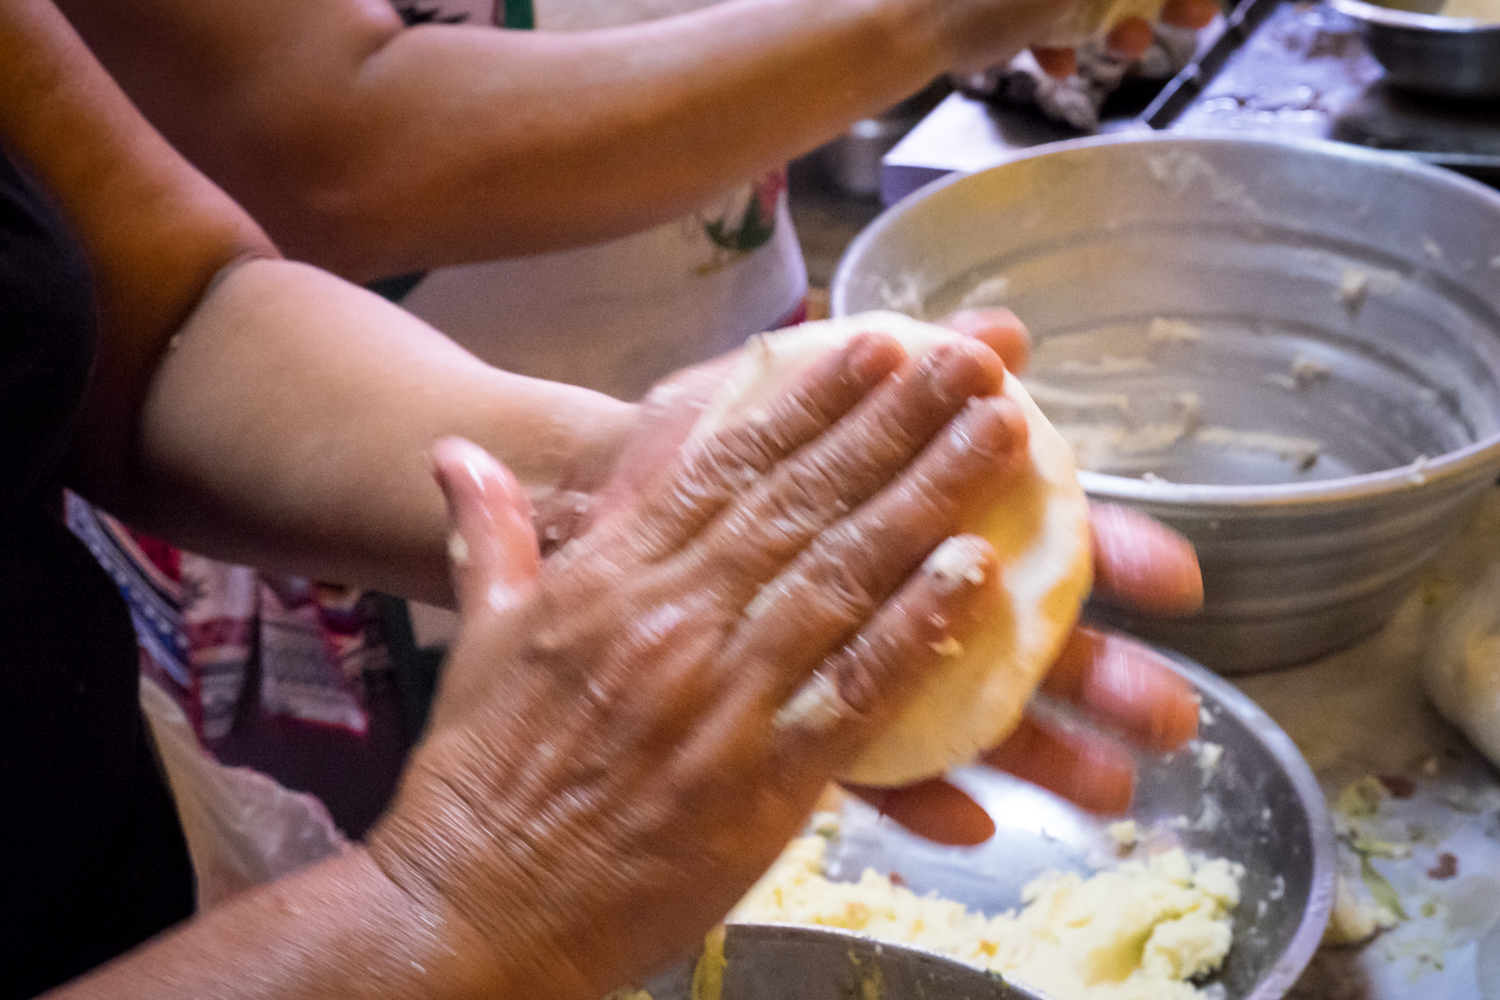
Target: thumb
492,548
666,418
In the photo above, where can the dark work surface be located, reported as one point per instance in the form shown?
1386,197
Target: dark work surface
1305,71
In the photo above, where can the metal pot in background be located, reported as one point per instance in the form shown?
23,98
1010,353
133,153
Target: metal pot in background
1440,56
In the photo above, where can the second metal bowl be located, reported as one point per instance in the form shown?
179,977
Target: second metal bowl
1244,793
1442,56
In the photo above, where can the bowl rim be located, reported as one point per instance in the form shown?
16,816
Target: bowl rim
1389,17
1295,957
1457,464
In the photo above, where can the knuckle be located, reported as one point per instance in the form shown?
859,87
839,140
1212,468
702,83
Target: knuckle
862,674
799,413
891,432
819,484
786,519
738,456
838,593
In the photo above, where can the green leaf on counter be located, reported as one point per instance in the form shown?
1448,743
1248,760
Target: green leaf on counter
1380,888
1369,847
1360,798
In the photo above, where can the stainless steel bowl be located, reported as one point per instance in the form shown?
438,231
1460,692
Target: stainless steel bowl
1259,804
1444,56
1311,293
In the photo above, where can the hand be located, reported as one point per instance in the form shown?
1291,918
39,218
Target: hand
1132,36
619,747
1116,683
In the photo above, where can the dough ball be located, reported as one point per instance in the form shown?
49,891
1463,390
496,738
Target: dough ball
1462,670
1040,531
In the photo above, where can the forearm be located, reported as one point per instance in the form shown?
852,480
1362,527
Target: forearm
374,150
289,427
340,929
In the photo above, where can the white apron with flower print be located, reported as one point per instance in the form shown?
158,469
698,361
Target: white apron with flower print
617,316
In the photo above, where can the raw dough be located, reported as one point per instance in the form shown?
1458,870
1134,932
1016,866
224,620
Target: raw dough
1038,527
1462,669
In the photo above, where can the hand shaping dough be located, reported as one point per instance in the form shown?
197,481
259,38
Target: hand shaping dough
1096,18
1038,526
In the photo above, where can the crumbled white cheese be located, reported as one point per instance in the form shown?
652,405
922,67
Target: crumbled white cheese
949,647
959,558
1141,931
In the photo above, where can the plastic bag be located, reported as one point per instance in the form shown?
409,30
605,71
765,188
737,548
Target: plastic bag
243,828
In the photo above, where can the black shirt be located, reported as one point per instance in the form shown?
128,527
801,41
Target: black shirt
92,858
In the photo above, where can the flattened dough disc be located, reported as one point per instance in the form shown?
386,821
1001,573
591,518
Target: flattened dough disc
1038,526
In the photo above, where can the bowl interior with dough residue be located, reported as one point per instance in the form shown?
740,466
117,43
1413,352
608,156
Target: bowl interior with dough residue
1289,350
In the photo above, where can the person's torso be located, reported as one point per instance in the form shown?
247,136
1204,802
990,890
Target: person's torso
619,315
91,857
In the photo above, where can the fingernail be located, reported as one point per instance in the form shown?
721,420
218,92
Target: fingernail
869,358
458,549
1105,785
471,460
990,425
1180,722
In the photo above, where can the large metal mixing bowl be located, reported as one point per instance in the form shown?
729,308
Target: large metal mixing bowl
1287,350
1443,56
1256,802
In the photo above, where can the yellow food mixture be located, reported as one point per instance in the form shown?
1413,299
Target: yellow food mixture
1140,931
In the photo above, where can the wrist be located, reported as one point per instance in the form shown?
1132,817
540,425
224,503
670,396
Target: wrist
478,935
396,943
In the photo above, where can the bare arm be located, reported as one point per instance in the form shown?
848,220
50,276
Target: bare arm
288,425
373,150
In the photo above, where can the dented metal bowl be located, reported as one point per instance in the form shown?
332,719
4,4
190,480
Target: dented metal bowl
1287,350
1243,792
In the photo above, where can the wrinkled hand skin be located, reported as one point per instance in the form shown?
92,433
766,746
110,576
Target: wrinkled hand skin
611,764
1120,686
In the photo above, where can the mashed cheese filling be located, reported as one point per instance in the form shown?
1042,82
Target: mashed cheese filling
1141,931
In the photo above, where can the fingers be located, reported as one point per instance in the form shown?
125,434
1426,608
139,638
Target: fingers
824,721
1083,767
1130,38
1193,14
679,504
840,580
492,549
858,457
998,329
1059,63
1140,563
932,809
1125,687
